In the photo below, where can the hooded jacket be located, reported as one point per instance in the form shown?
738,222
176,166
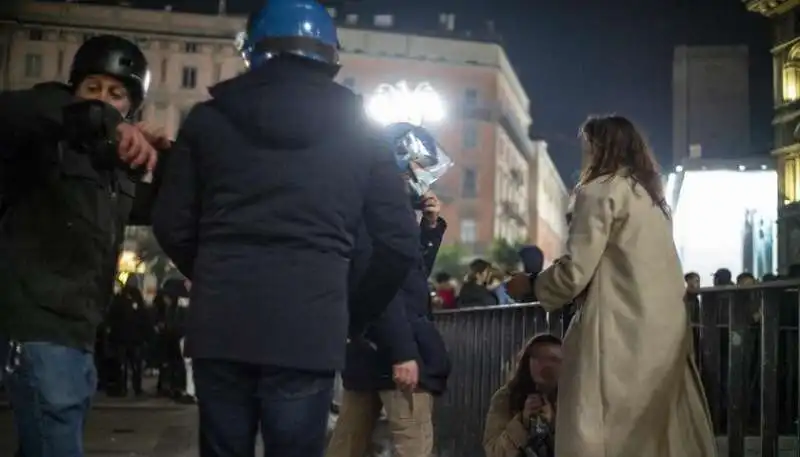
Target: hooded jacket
266,187
405,331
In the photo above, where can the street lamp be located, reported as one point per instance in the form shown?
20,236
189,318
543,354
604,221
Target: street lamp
400,103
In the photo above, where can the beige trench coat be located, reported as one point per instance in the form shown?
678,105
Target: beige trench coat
629,386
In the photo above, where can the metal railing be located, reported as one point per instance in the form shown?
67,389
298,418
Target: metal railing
746,348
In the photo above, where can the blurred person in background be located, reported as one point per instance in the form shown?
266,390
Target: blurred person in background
445,289
172,376
520,284
745,279
475,290
629,386
520,421
187,395
160,305
129,330
400,362
722,277
496,284
692,282
691,295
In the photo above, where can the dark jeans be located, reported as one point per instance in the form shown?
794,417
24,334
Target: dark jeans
50,388
290,406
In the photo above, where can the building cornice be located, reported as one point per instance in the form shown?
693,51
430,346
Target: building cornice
792,149
770,8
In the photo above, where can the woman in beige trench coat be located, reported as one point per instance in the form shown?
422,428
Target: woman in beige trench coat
629,385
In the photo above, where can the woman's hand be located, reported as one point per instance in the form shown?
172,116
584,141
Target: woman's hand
533,406
537,405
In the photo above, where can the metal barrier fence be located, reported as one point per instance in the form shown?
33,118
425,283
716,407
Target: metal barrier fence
746,342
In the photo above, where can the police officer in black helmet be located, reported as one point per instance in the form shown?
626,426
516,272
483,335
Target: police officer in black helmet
71,160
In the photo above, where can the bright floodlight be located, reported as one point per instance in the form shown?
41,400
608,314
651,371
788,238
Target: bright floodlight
399,103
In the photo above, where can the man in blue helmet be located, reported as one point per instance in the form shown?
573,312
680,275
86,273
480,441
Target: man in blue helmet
266,187
400,362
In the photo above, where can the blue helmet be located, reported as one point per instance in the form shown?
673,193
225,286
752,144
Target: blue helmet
418,155
296,27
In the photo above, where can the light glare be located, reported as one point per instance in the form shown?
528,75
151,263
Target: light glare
399,103
726,219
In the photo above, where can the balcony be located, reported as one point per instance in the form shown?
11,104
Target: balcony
516,177
769,8
496,113
509,210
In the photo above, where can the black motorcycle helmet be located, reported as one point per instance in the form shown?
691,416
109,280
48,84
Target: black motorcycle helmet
117,57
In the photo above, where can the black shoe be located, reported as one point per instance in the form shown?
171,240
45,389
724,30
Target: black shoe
186,399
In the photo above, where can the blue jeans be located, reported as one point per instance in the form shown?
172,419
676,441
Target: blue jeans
50,388
290,406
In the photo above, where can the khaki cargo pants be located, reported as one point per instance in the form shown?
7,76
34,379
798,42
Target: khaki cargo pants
408,415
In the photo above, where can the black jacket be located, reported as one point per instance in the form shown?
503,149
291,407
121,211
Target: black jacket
405,331
266,187
63,225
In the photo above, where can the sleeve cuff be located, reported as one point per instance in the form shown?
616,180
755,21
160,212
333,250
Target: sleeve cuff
407,354
440,227
517,432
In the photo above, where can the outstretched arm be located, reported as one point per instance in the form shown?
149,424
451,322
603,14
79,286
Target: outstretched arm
588,237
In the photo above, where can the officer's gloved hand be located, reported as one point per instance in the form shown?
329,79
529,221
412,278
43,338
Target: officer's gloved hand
90,126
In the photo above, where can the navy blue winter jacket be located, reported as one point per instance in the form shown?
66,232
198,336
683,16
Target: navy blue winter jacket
405,331
266,187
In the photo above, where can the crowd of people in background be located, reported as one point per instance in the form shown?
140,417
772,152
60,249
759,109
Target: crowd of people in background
484,284
137,340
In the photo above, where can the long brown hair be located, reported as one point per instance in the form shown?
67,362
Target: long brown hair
615,146
521,383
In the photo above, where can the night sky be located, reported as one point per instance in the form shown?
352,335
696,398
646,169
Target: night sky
579,57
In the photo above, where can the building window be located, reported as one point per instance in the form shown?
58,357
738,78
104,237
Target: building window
470,98
791,180
35,35
190,48
60,63
164,71
189,79
470,136
791,76
791,81
469,183
217,72
469,231
182,115
33,65
350,83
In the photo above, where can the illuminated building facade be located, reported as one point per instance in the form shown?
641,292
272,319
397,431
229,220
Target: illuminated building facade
785,17
486,195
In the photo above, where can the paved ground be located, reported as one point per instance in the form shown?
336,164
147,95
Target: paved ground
150,427
153,428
